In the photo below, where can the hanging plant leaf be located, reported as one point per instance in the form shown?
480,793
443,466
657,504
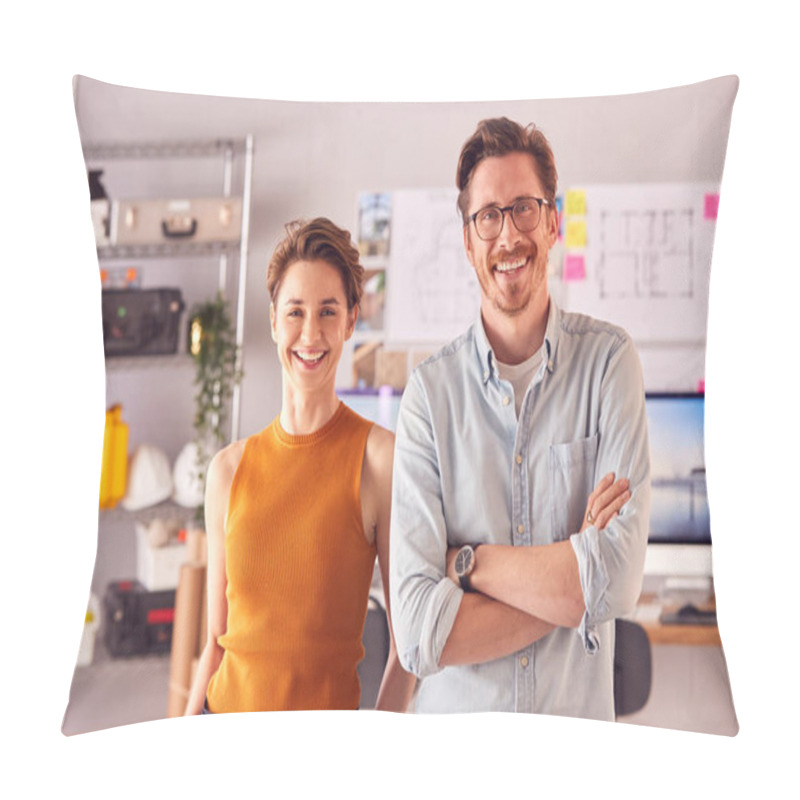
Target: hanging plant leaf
212,345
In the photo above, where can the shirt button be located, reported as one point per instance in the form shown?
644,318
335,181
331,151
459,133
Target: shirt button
519,459
520,528
506,401
486,375
524,661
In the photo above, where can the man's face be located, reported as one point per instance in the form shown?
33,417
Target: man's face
511,269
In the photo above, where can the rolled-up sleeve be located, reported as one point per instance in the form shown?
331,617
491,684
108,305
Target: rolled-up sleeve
424,601
611,561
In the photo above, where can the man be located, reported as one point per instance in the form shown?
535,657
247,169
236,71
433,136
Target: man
500,439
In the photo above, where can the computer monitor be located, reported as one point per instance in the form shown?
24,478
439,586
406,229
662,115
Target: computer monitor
679,544
378,405
679,541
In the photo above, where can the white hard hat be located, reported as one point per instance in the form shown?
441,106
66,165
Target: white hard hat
149,478
186,478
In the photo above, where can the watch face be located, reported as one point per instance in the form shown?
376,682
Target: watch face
463,563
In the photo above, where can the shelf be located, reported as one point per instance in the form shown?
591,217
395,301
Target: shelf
166,510
170,362
365,336
376,262
176,149
167,250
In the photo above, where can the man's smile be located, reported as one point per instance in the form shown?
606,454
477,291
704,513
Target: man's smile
511,265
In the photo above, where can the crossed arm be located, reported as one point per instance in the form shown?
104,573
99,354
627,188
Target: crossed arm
522,593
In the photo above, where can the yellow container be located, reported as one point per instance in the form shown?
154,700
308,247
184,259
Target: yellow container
114,473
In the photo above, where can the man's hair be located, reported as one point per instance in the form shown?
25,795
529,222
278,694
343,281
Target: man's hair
499,137
317,240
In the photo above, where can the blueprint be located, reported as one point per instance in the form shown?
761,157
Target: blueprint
432,292
648,258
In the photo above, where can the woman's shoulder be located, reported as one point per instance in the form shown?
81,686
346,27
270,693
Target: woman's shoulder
379,451
224,463
380,436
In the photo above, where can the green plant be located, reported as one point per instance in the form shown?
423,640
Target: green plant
212,345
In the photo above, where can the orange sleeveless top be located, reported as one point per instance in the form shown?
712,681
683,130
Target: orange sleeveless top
299,571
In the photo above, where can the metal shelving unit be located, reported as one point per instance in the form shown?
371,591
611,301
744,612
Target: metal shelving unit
227,150
117,691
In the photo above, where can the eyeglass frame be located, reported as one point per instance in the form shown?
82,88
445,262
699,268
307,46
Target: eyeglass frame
540,201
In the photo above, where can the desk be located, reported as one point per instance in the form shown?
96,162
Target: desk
690,685
648,612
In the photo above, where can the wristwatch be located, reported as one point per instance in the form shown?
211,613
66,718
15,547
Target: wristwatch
464,564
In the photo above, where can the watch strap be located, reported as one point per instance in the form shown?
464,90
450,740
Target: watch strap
464,579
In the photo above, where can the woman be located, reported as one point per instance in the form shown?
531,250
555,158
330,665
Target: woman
296,514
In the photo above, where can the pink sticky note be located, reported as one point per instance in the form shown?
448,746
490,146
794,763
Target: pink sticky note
574,267
711,206
701,386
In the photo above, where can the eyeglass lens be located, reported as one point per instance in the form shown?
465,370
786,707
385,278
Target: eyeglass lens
524,213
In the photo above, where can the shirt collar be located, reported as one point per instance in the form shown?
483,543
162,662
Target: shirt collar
485,354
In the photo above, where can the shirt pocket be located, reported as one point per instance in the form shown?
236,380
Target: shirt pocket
572,467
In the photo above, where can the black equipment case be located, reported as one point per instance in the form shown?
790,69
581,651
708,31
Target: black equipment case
138,622
141,321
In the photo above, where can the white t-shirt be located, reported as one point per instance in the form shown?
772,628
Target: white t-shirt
520,375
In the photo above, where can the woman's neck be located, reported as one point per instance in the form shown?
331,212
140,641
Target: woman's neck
303,413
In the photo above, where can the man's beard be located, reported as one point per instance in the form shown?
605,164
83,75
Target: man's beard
516,298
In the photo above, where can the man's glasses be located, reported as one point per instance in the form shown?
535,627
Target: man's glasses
525,213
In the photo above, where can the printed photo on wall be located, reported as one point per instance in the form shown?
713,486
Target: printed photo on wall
374,223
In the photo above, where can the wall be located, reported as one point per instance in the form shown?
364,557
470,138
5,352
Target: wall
313,158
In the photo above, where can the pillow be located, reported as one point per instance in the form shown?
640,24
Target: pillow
640,179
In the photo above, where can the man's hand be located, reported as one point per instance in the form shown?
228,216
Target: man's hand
605,502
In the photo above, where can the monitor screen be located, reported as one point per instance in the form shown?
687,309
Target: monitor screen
679,507
679,504
378,405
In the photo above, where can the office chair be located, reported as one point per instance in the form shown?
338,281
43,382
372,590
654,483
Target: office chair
632,661
376,646
633,668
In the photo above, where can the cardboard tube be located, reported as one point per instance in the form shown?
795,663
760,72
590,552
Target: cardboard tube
196,545
201,639
185,635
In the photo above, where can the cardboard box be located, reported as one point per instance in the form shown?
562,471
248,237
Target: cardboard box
391,368
158,567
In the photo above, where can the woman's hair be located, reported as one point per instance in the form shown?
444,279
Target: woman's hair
317,240
499,137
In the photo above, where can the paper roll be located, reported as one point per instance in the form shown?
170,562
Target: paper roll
185,635
196,545
203,618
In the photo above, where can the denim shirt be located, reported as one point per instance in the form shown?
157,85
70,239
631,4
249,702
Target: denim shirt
467,471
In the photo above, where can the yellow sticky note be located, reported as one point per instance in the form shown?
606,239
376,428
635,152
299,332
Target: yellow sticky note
576,233
576,201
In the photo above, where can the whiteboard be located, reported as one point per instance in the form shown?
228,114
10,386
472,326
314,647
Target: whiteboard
647,259
646,251
432,294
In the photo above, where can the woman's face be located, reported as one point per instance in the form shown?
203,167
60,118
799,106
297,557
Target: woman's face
310,323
